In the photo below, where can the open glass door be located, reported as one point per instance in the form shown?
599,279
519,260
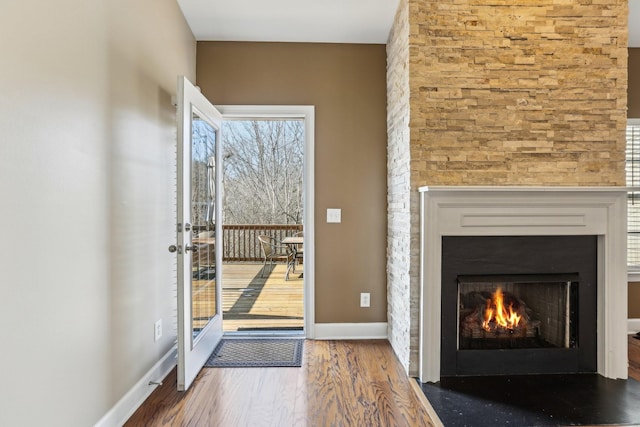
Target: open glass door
199,231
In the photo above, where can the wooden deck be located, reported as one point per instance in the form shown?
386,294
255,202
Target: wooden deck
250,302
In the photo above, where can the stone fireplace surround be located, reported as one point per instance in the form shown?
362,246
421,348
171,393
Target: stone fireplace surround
527,211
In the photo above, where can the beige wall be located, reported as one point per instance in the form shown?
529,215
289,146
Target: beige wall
634,300
346,84
634,84
87,164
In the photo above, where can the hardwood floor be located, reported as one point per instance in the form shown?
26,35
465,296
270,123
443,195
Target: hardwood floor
340,383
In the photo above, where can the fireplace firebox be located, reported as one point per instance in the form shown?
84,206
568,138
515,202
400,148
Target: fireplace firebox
518,305
519,311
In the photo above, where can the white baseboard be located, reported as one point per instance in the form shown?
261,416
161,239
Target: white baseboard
132,400
350,331
633,325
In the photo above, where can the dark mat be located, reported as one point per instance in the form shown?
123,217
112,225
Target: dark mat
535,400
256,352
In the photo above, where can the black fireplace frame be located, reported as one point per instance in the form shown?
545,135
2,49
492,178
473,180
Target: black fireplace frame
519,255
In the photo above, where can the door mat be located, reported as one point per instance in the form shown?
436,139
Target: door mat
256,352
271,328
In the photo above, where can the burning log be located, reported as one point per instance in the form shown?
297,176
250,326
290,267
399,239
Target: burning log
497,315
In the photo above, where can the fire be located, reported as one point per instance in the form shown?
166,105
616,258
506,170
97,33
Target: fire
497,313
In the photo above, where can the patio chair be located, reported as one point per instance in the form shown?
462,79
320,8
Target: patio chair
273,251
299,251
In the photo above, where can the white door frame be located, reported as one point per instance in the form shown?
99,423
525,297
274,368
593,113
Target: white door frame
307,113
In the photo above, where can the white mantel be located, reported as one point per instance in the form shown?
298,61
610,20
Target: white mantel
528,211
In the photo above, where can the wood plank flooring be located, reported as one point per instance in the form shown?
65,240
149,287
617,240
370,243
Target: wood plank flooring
340,383
250,301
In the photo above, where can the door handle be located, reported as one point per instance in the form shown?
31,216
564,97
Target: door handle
174,248
192,248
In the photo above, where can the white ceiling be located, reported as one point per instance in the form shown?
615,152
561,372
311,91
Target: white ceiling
326,21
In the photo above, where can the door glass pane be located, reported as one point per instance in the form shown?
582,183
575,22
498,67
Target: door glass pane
203,187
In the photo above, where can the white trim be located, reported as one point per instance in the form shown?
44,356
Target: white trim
633,326
483,189
244,112
515,211
306,112
134,398
351,331
633,276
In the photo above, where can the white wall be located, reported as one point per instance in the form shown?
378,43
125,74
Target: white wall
87,142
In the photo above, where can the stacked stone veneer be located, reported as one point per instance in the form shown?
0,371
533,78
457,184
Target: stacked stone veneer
400,267
501,92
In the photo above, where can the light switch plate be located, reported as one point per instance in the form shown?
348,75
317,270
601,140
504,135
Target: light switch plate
334,215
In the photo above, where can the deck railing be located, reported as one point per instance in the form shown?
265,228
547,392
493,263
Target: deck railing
240,241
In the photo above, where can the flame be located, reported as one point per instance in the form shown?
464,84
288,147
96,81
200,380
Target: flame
496,312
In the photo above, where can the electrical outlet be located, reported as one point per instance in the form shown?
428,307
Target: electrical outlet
157,330
365,299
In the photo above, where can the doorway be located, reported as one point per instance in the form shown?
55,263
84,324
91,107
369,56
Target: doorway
267,200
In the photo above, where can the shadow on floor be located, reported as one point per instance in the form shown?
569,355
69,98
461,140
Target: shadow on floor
240,310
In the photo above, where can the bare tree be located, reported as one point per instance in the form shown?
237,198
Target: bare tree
263,161
202,173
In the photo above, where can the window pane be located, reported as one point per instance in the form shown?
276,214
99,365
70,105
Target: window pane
633,201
